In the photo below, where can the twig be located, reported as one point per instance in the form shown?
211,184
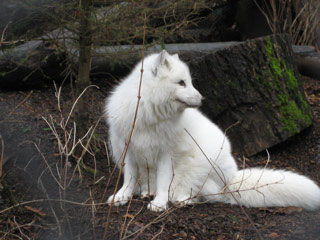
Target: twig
156,220
2,35
16,107
155,236
19,228
1,156
132,219
50,200
76,101
48,166
132,128
85,148
35,210
126,215
108,157
222,179
265,166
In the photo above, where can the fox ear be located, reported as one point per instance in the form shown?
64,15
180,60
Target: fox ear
176,56
164,59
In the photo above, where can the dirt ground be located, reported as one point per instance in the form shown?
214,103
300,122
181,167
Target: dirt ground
36,203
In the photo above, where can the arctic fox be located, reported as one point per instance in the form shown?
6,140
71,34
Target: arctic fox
178,155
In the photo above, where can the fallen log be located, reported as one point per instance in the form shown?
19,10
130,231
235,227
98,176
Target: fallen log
308,61
30,65
255,83
37,63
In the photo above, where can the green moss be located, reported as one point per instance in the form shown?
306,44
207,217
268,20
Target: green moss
280,67
292,81
304,104
268,46
274,61
282,99
291,115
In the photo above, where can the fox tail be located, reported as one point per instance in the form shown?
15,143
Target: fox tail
257,187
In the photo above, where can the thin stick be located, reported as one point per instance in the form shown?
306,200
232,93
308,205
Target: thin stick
2,155
132,128
2,35
16,107
76,101
222,179
264,168
126,216
51,200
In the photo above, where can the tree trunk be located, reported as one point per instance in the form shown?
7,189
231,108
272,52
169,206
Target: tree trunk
85,58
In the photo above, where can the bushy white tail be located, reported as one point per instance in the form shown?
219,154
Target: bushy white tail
258,187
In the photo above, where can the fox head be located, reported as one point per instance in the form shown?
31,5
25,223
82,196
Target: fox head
173,82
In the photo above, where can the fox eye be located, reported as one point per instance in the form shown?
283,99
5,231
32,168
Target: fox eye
182,83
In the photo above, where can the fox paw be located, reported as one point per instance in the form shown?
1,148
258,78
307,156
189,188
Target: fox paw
184,202
158,205
119,199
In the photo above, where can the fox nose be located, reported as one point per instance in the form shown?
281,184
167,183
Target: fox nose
200,97
199,100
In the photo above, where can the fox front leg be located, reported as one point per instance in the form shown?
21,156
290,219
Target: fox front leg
163,182
130,172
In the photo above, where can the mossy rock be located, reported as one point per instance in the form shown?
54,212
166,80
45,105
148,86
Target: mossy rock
255,84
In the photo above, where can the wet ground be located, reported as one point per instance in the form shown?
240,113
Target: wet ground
40,200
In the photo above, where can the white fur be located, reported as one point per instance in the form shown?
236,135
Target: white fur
179,155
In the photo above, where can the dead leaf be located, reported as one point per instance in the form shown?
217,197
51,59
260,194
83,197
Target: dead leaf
283,210
221,237
273,235
128,215
290,210
37,211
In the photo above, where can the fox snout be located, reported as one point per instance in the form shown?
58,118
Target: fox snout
197,101
192,99
197,98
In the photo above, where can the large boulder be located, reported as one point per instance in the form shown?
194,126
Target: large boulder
252,89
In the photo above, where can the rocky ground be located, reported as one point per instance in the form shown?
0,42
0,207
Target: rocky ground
36,203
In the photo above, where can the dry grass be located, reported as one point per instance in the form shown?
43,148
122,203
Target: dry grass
293,17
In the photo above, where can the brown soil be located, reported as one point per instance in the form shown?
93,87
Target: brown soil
34,207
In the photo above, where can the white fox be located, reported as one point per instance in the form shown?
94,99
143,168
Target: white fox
178,155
